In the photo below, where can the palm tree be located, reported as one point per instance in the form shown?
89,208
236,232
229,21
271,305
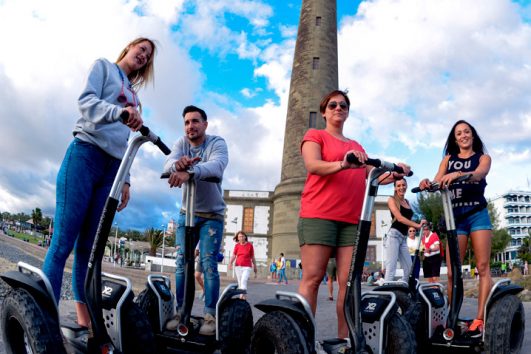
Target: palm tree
154,237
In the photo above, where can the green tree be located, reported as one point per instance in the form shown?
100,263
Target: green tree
500,240
154,237
524,252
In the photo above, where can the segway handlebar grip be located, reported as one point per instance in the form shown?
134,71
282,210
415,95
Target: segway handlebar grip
351,158
166,175
145,131
435,186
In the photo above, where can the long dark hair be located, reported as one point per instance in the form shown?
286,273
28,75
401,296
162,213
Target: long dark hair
451,147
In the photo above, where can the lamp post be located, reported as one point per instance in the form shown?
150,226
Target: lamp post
163,241
115,244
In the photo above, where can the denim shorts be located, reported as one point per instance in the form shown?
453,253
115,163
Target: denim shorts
313,231
478,221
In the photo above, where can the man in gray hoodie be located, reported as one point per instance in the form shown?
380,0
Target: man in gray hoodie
198,155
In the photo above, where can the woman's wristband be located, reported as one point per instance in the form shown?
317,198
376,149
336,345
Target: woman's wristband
341,167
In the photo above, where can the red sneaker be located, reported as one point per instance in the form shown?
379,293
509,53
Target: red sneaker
476,329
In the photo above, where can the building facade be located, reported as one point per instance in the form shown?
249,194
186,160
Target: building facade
249,211
514,210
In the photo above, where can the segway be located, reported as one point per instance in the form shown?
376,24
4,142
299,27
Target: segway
375,326
30,316
440,328
234,318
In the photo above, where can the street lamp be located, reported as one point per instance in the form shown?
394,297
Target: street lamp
115,243
163,241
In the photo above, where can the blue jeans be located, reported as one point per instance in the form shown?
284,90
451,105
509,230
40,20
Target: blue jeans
282,275
396,249
209,233
83,185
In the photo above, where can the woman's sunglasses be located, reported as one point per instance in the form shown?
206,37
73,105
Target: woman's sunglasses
333,105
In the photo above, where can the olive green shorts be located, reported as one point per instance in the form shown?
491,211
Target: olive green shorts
326,232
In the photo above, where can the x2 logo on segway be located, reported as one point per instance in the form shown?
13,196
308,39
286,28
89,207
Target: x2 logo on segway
372,308
111,293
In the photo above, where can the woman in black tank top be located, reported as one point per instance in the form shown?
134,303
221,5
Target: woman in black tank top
396,243
465,153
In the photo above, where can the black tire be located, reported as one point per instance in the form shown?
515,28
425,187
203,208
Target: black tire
137,335
505,327
147,302
277,332
416,317
27,328
235,327
400,336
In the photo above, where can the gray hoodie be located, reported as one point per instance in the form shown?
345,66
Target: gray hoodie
100,122
214,159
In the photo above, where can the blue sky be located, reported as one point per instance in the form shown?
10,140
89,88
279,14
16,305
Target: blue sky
412,67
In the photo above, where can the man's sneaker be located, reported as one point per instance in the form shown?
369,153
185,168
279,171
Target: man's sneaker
208,328
172,324
476,329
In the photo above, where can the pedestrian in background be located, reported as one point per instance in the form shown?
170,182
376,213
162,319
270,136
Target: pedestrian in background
282,269
431,265
331,270
412,244
243,255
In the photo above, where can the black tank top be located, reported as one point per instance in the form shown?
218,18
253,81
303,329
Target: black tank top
408,214
466,196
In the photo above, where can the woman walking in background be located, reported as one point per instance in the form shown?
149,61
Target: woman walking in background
243,254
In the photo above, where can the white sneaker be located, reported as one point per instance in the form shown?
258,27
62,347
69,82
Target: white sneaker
172,324
208,328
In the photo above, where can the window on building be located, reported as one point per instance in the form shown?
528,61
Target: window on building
315,63
371,254
318,21
248,220
313,120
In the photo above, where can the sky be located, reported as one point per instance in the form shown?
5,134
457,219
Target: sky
412,68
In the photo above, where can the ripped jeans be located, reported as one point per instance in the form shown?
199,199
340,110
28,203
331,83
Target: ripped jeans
396,250
209,233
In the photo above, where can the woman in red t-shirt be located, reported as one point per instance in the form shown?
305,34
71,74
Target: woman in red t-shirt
331,201
244,255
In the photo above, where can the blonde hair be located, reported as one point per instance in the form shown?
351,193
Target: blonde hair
139,78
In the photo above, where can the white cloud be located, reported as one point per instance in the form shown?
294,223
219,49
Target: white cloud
415,67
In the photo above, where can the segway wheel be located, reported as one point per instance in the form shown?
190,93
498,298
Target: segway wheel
235,327
136,331
27,328
416,317
400,336
505,327
403,301
277,332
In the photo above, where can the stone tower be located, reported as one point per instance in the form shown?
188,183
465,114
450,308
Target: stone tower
314,74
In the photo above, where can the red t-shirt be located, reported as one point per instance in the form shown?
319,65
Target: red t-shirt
244,254
433,239
338,196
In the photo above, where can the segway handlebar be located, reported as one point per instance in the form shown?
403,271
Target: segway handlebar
145,131
435,186
166,175
351,158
